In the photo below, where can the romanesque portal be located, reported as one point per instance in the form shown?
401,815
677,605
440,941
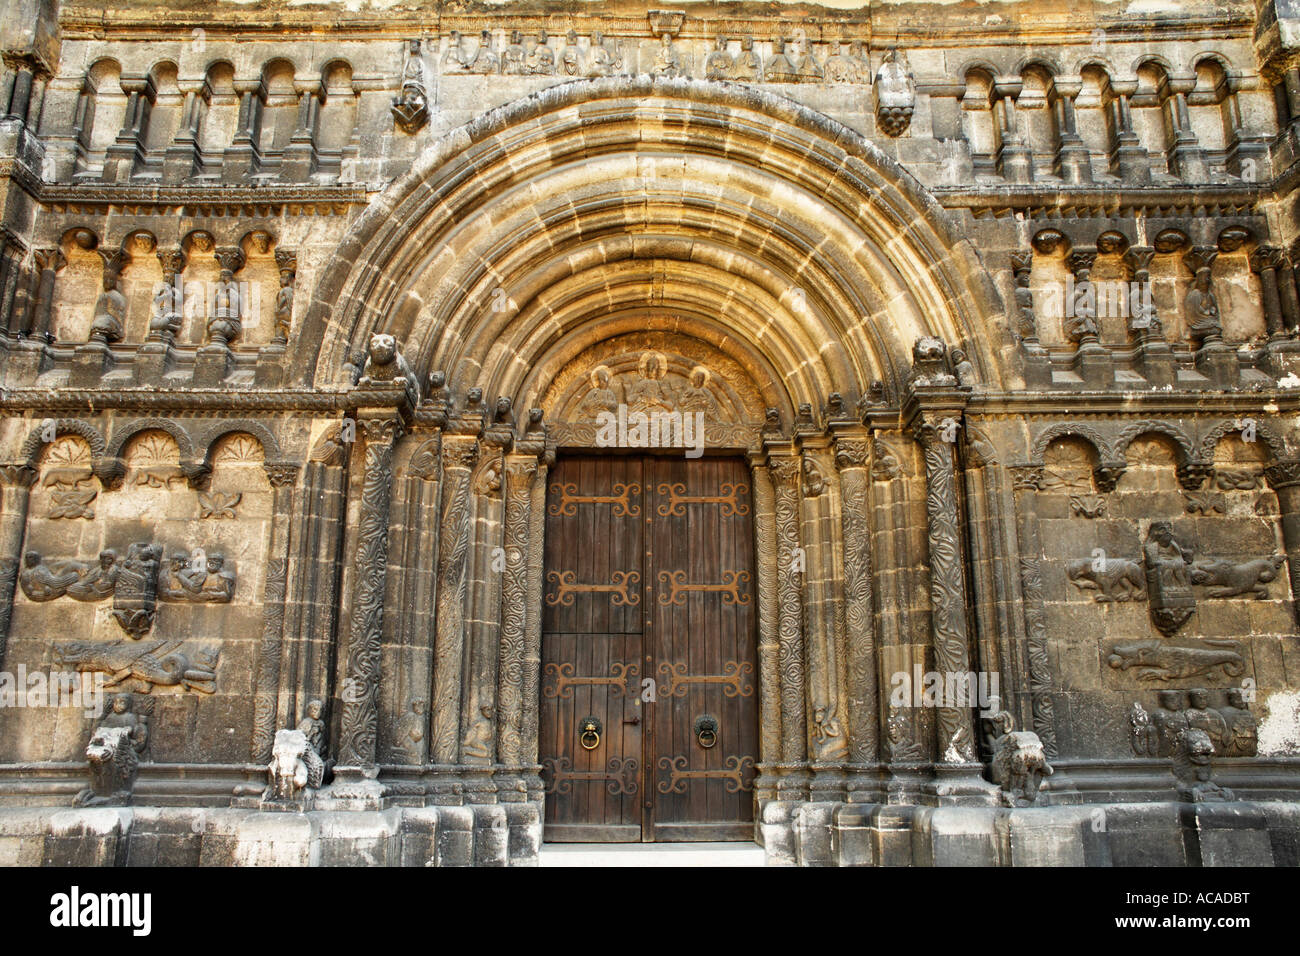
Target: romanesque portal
659,430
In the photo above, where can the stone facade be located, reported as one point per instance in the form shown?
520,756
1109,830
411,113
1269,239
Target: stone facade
998,302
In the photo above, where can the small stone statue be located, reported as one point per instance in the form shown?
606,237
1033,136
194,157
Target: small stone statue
110,311
1168,575
456,60
748,67
284,298
1201,308
114,754
1019,764
1193,766
895,93
165,323
600,61
778,68
963,369
485,58
225,325
411,109
313,727
295,768
385,363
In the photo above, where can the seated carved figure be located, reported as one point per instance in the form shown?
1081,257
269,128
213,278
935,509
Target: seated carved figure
1201,307
110,312
386,363
45,582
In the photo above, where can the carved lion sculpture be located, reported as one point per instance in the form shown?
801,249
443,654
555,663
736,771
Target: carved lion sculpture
1019,766
1114,579
1223,578
386,363
113,765
294,766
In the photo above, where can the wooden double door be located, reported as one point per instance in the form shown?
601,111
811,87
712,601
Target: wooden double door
649,706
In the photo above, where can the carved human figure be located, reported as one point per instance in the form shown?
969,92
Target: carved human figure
667,60
165,322
1242,735
720,63
571,58
778,68
284,306
541,58
110,311
122,714
98,583
1201,717
962,368
410,729
224,326
600,62
1201,309
1166,559
839,67
45,582
1169,720
696,397
513,59
650,393
748,66
805,63
456,60
219,584
314,727
485,58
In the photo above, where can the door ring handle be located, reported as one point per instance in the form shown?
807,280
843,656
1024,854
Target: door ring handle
706,731
589,733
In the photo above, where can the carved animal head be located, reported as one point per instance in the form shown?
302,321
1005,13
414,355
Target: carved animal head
1025,752
288,769
383,349
72,653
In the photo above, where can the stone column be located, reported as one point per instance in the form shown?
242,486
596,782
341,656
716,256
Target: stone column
1014,157
48,262
852,457
300,158
18,479
1157,358
360,693
241,158
1287,293
521,472
125,153
1188,156
937,430
1026,482
791,565
769,665
1072,153
1284,478
181,159
284,478
1128,156
532,654
459,453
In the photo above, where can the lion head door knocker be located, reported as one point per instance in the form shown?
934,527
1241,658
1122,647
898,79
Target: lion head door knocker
706,731
589,731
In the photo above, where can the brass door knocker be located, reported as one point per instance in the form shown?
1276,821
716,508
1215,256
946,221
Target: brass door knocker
589,733
706,731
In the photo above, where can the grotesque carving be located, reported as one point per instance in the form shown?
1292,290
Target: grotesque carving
295,768
1158,660
928,365
114,754
141,667
1169,585
411,109
895,95
1114,579
385,363
1019,764
1224,578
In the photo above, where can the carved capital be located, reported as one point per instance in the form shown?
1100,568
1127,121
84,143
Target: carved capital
230,257
1108,473
1137,260
785,470
852,453
281,474
1081,261
1192,474
173,262
1026,477
1282,474
379,431
459,451
49,259
1200,257
424,460
286,259
1265,259
18,475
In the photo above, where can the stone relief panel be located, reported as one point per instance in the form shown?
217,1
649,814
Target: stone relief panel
654,390
160,591
1176,580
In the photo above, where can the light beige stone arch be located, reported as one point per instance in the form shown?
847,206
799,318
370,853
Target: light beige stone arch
749,217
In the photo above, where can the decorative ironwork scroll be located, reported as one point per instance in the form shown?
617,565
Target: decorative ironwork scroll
675,582
558,775
568,586
674,681
624,507
729,498
738,772
565,681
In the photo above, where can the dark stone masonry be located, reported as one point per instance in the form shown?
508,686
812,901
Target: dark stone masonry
429,430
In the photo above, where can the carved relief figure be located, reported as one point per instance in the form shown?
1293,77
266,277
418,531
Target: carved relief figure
1114,579
410,730
1242,737
1201,309
513,59
1019,763
667,60
295,767
110,310
748,67
541,58
571,58
136,590
485,58
601,62
1158,660
456,60
224,326
805,63
696,397
1168,576
113,764
313,727
650,393
720,63
411,108
895,93
778,68
141,667
1224,578
600,398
